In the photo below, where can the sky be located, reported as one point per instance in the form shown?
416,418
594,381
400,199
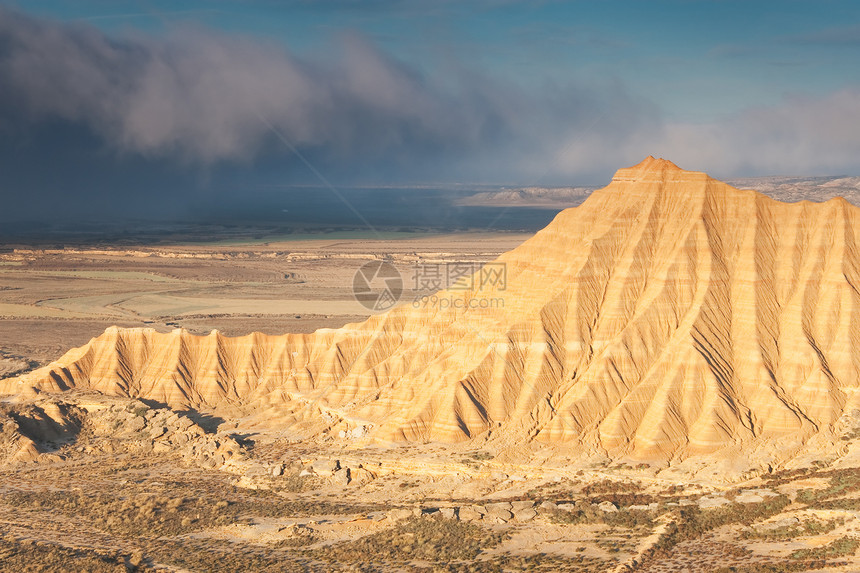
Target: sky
150,108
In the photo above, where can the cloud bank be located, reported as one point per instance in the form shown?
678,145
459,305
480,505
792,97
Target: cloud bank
204,97
112,117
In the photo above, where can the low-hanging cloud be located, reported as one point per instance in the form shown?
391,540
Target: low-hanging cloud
203,97
194,99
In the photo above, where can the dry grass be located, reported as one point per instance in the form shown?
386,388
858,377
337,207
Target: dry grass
26,556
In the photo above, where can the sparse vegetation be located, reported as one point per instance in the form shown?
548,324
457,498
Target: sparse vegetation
137,515
480,455
476,459
691,522
294,482
853,434
841,547
841,483
425,539
585,513
805,528
774,567
28,556
190,517
210,555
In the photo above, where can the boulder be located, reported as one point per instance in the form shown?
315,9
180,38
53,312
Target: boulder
500,511
469,513
27,452
156,432
496,505
136,424
325,467
398,514
522,504
341,476
548,506
161,448
360,476
525,514
639,508
607,507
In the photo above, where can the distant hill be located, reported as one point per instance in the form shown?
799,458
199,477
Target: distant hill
785,189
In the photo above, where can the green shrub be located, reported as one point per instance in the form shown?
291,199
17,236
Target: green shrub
841,547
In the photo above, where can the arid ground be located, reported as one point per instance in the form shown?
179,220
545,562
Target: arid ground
53,299
95,483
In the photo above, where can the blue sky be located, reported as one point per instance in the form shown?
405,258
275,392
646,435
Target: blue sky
381,92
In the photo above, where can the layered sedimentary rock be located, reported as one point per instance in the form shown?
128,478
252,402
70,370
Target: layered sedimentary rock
669,315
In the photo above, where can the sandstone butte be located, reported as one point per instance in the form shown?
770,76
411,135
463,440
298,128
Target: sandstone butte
667,317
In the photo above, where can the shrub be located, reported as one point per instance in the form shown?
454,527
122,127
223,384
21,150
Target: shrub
425,539
841,547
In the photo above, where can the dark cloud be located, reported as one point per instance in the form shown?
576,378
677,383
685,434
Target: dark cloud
97,125
201,96
198,100
206,97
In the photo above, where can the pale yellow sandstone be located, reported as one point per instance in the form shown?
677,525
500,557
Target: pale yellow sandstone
668,316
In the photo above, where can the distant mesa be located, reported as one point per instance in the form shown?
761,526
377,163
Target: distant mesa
668,317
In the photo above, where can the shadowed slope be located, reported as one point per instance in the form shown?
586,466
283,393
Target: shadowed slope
669,315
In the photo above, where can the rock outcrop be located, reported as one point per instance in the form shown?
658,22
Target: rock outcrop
668,316
29,430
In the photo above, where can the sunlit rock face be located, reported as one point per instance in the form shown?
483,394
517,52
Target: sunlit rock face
670,315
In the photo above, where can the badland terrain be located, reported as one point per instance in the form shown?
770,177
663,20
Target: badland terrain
665,378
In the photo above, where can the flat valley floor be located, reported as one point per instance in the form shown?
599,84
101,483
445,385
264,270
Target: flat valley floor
52,300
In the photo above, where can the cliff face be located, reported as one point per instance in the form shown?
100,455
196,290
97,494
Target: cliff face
667,316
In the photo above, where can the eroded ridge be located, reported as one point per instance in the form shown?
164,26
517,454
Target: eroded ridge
670,315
